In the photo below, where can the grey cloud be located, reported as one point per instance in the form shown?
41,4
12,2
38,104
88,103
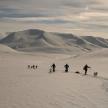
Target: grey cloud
54,8
74,4
53,21
48,21
100,8
41,8
18,13
80,3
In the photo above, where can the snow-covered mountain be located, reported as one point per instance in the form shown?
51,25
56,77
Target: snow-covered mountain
38,40
97,41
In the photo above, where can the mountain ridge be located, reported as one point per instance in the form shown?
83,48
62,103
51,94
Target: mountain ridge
39,40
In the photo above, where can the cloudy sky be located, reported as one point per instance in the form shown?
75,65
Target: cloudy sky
81,17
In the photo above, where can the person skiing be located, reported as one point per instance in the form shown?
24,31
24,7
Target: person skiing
66,67
29,66
33,66
53,67
36,66
85,68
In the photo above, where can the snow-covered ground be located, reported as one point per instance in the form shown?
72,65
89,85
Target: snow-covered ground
21,87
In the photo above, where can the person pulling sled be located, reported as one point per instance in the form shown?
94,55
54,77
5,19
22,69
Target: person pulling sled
85,68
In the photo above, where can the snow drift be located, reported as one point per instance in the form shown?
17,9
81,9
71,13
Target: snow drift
6,49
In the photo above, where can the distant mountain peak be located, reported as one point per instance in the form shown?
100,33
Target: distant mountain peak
39,40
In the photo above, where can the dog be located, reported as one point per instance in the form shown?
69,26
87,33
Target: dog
95,74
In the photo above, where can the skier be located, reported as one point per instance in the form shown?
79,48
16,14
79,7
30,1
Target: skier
36,66
29,66
53,67
66,67
85,68
33,67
